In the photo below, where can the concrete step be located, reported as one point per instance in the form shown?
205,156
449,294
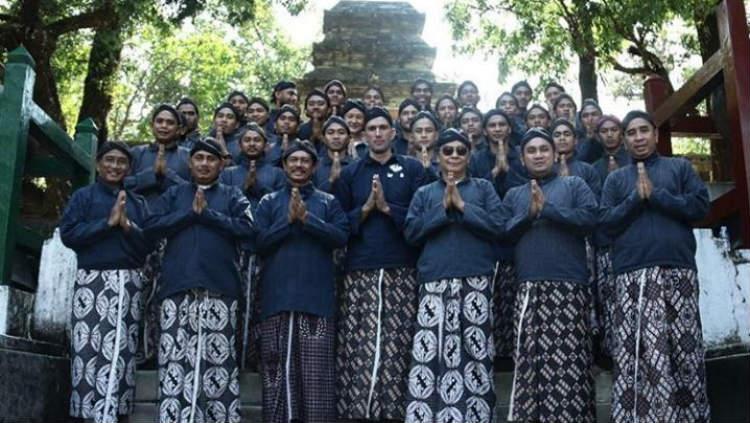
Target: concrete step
147,395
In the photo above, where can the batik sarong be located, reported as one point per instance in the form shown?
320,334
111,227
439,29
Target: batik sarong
504,299
451,375
605,298
297,366
553,381
107,310
149,330
375,333
198,374
659,372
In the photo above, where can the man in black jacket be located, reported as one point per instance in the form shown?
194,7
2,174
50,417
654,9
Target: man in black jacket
647,208
198,291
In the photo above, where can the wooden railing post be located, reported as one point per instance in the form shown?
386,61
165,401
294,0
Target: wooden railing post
655,91
733,35
15,103
86,139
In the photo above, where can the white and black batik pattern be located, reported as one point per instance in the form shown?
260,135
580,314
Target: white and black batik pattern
451,375
553,380
198,373
659,373
107,309
375,333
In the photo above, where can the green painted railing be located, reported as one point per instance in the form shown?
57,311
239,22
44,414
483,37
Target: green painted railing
64,157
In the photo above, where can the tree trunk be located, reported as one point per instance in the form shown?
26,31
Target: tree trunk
587,77
104,61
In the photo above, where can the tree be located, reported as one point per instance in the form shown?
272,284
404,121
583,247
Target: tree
199,63
538,36
41,24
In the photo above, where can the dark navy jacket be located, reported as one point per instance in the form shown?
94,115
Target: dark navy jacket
401,145
323,171
586,172
483,161
622,157
201,248
588,149
142,178
84,229
455,244
298,273
268,178
656,232
378,241
188,140
552,246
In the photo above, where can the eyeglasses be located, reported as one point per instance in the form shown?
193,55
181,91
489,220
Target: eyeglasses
460,150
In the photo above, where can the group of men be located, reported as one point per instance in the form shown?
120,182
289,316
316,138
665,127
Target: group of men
377,267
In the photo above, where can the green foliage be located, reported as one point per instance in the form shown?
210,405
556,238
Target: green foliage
539,37
70,62
204,61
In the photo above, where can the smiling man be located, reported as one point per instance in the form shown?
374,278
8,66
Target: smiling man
299,227
455,221
374,342
102,224
648,208
335,158
198,291
549,219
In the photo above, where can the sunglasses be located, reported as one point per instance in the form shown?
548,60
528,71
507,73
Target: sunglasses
460,150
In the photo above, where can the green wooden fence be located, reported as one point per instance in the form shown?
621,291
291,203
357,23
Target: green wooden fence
62,157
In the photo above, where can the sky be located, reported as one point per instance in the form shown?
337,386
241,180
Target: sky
448,66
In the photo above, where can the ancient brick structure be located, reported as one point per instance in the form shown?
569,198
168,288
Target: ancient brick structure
378,43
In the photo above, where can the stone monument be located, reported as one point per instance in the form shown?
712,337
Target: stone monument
373,43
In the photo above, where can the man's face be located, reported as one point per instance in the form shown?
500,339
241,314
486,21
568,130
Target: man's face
523,95
299,167
551,94
589,116
257,113
566,109
287,96
286,123
565,139
252,144
507,104
316,107
538,157
239,103
225,121
335,95
469,95
610,135
336,137
379,134
165,127
190,114
205,167
422,94
446,111
372,98
497,129
471,124
536,118
453,157
424,133
406,116
113,167
641,138
355,120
